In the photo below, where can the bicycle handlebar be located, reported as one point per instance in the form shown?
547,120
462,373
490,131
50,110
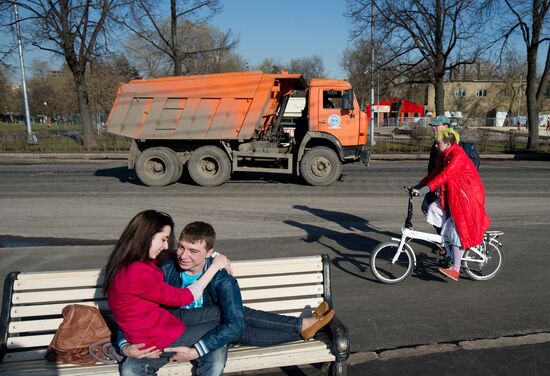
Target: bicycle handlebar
410,191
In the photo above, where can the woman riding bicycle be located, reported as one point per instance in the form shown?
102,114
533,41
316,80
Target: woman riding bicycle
461,196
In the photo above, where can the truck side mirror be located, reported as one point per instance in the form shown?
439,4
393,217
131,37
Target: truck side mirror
347,100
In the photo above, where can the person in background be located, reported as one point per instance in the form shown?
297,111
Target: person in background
462,198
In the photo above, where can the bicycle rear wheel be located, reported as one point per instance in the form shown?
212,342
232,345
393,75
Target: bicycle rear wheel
383,268
480,270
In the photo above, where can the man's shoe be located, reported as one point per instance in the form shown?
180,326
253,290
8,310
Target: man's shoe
321,309
313,329
451,273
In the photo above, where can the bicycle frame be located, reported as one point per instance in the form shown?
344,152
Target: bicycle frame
409,234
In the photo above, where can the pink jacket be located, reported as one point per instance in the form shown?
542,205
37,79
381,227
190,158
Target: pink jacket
463,194
135,298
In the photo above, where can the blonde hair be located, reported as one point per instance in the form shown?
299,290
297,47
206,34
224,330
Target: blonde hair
448,135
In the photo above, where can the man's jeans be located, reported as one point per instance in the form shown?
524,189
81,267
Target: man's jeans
211,364
198,322
267,329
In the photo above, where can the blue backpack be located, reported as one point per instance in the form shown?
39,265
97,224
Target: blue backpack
471,151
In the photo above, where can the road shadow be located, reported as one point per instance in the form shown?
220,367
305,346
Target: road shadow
123,174
353,250
263,177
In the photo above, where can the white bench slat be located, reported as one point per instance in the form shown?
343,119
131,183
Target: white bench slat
282,292
77,295
294,305
44,368
42,325
295,279
29,341
57,296
243,351
21,356
34,325
241,268
51,309
57,283
55,309
278,356
97,280
61,274
276,268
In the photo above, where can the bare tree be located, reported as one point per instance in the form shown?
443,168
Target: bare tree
530,20
71,29
271,65
169,34
309,67
7,93
356,60
427,38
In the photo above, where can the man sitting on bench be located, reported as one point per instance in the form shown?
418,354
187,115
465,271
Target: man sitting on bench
238,324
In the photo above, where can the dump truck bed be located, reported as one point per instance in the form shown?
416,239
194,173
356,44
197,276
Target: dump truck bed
216,106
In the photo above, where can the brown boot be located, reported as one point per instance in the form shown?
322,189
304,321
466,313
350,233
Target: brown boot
321,309
313,329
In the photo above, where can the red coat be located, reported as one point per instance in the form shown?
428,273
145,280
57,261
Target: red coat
462,195
135,298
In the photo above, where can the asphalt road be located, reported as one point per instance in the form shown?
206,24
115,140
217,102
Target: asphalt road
259,216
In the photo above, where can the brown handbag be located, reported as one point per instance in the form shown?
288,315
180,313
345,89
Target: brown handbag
82,326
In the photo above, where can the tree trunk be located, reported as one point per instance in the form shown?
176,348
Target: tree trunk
178,66
88,129
439,97
176,53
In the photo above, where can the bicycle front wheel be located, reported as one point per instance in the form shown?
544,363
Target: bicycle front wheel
480,270
391,272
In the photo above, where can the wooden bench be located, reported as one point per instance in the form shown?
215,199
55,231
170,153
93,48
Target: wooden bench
32,304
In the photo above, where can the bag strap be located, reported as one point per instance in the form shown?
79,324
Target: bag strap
106,349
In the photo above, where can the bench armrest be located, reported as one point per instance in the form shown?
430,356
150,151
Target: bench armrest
339,335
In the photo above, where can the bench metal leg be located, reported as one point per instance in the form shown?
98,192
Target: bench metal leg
338,369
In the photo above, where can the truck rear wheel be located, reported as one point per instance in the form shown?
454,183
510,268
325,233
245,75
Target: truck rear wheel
209,166
320,166
158,167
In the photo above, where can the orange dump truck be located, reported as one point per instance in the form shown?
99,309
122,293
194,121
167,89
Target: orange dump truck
218,124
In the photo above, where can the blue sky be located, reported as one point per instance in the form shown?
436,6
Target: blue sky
287,29
282,30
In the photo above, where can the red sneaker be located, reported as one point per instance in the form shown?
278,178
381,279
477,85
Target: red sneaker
451,273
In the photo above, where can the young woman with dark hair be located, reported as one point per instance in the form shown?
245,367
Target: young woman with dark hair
137,293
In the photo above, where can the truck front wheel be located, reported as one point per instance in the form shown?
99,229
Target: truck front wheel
320,166
158,167
209,166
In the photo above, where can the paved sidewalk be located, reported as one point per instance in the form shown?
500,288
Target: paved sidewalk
436,360
524,360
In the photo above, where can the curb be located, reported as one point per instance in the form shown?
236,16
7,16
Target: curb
78,156
478,344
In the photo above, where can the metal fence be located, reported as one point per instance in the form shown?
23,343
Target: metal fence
475,122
